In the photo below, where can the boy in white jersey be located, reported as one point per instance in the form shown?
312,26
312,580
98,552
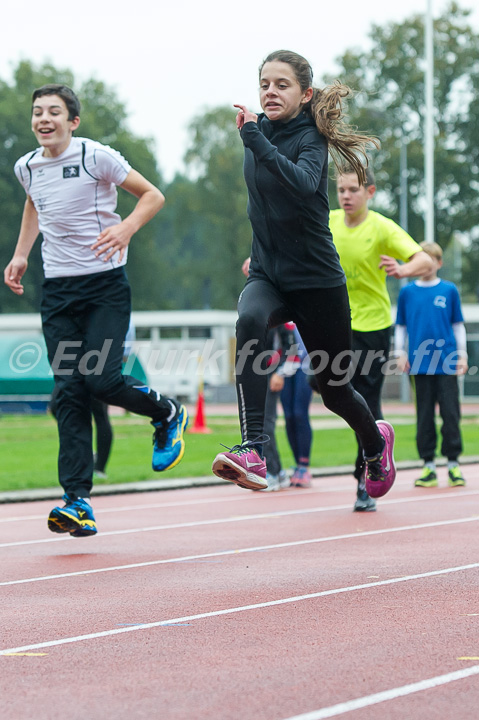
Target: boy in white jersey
71,199
369,247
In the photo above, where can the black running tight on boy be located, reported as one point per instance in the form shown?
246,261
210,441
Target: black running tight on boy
85,321
368,378
322,317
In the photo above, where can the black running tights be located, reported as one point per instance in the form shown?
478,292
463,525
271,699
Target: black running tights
323,320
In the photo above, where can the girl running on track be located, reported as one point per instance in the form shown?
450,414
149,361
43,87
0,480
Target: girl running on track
295,274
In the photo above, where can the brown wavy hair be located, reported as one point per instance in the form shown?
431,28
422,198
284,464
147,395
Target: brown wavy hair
346,144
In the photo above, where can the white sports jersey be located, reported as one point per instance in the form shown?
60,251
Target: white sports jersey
75,197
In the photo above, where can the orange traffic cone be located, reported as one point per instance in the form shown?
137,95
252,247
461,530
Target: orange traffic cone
199,425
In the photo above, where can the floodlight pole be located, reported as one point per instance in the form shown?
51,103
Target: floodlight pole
403,186
429,125
404,386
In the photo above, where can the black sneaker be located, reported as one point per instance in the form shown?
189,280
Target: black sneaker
364,503
455,477
428,478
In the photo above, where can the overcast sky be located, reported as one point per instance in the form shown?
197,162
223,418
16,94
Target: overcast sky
169,61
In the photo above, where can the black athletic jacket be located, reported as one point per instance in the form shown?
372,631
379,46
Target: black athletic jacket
286,172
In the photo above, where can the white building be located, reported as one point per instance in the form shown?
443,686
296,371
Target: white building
180,349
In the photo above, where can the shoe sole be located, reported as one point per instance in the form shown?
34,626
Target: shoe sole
459,483
380,488
184,425
61,522
369,508
226,469
57,524
423,484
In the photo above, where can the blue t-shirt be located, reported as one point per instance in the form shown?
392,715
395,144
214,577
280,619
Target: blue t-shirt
429,314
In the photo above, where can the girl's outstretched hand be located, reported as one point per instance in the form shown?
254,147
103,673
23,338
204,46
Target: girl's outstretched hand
244,116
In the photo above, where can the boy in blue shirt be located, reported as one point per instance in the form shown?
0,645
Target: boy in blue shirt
429,314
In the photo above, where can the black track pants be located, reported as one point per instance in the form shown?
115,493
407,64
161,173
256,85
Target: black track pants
371,353
85,321
441,390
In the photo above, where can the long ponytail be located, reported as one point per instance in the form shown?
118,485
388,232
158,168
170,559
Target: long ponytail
346,144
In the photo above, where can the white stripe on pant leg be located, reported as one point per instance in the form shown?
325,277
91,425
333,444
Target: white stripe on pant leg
242,412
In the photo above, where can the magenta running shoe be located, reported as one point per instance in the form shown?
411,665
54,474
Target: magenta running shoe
242,465
381,470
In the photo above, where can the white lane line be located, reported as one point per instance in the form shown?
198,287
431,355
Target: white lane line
185,503
220,521
368,700
242,608
224,553
132,507
241,497
292,492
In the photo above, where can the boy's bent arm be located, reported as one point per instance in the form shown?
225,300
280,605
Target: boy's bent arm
17,266
117,237
150,200
418,264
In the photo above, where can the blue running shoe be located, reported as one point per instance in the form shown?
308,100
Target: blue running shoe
76,518
168,442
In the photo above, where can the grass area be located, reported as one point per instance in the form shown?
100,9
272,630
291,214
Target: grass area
29,447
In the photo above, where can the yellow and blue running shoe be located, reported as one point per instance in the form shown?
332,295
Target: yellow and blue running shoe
168,441
75,517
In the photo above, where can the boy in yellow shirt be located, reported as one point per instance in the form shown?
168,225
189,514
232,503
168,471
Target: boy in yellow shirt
370,246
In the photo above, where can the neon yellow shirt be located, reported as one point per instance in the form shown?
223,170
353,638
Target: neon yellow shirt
359,249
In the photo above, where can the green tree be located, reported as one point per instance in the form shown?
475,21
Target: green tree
204,230
182,242
390,104
103,118
215,157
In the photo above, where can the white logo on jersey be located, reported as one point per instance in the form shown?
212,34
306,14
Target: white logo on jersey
440,301
70,171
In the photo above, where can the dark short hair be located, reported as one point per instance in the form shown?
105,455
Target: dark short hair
65,93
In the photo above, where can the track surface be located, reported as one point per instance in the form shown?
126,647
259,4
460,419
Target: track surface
219,603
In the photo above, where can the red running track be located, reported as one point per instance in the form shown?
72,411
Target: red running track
219,603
